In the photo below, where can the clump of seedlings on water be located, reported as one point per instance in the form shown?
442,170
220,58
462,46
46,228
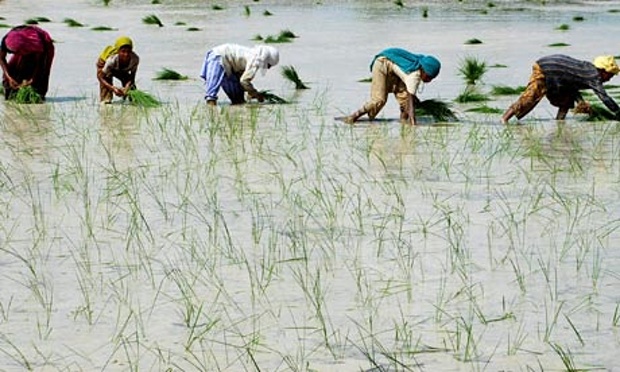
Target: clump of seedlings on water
290,74
504,90
272,98
439,110
103,28
473,41
169,74
472,70
72,22
152,19
285,36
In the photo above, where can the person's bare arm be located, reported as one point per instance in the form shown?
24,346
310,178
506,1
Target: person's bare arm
5,69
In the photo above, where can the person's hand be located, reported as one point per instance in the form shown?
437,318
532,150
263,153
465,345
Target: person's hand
583,107
26,83
119,92
259,97
12,82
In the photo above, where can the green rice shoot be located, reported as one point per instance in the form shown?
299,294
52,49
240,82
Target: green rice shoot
272,98
290,73
142,99
600,113
504,90
152,20
103,28
72,22
471,96
439,110
27,95
473,41
484,109
169,74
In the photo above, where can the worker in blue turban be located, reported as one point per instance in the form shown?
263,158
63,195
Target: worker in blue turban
397,71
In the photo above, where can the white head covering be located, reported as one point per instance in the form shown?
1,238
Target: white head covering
266,56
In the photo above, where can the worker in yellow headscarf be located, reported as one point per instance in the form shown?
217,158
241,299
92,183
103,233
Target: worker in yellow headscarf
560,78
117,61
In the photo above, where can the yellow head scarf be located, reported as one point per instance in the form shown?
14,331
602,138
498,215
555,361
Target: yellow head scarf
111,50
607,63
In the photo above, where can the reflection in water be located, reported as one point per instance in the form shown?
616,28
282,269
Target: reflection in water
26,127
118,126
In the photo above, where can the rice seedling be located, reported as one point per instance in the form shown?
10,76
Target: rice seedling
558,45
365,80
504,90
578,19
142,99
498,65
152,19
615,319
27,95
425,12
155,2
169,74
439,110
484,109
399,3
217,7
473,41
566,356
285,36
106,2
72,22
103,28
472,70
597,112
4,25
267,13
37,20
563,27
272,98
290,74
471,96
192,29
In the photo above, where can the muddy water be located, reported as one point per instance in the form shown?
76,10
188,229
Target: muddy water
272,237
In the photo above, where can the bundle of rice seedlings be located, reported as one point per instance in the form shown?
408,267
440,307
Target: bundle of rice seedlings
37,20
106,2
72,22
27,95
142,99
473,41
247,11
472,70
440,111
484,109
102,28
267,13
289,73
598,113
217,7
193,29
180,23
272,98
168,74
504,90
563,27
4,25
152,20
471,96
285,36
558,45
399,3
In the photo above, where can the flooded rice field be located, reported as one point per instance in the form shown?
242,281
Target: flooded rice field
274,238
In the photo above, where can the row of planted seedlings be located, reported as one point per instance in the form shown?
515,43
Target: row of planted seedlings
273,244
